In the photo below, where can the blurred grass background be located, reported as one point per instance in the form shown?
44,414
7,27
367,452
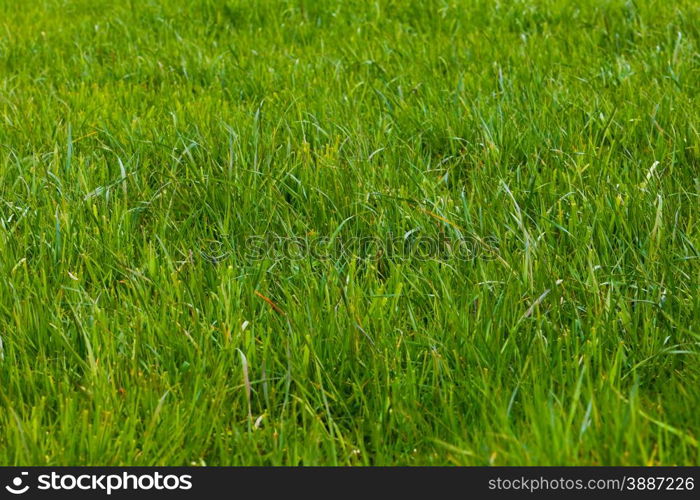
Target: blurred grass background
142,145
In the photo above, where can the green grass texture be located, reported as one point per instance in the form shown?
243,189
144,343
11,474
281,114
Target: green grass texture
325,232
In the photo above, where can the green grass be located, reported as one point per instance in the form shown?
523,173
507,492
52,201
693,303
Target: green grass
158,157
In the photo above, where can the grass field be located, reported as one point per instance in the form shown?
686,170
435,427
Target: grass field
349,232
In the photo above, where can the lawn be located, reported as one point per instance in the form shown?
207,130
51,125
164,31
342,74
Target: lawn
345,232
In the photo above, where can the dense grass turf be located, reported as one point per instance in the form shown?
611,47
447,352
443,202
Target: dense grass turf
349,232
